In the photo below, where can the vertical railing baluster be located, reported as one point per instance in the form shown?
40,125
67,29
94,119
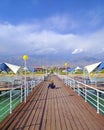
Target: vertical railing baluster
11,101
78,90
31,83
21,93
25,92
85,94
74,85
97,101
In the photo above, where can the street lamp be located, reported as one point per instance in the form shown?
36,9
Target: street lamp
66,65
25,58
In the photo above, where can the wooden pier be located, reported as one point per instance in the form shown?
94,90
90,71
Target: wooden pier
53,109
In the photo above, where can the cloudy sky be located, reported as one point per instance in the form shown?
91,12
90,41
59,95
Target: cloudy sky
51,27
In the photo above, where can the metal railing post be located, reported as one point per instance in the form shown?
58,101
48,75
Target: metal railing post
21,93
85,94
70,83
34,83
25,93
78,90
10,101
97,101
31,83
74,85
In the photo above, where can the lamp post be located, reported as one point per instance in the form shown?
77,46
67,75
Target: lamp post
66,65
43,72
25,58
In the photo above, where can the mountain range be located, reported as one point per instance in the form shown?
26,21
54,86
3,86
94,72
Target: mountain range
53,59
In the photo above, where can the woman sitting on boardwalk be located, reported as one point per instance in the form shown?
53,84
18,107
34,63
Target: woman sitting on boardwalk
51,85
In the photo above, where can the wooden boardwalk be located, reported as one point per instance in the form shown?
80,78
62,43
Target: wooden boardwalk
53,109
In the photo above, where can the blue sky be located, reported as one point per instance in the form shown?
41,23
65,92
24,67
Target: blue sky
51,27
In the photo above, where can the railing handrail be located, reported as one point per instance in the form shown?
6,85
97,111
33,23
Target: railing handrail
74,83
18,96
81,83
86,85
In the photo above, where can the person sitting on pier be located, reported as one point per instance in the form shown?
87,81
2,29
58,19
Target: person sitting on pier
51,85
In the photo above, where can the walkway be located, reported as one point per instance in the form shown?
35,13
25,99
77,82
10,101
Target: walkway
54,109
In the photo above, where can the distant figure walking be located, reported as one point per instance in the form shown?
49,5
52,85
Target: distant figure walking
51,85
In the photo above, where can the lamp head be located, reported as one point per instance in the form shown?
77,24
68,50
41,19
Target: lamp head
25,57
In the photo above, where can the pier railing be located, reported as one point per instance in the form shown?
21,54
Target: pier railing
15,95
90,94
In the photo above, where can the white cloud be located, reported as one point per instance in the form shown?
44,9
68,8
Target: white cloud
76,51
46,51
28,38
61,22
56,22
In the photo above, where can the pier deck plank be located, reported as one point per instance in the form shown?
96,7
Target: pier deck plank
53,109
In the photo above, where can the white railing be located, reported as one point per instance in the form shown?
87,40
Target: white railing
90,94
11,98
